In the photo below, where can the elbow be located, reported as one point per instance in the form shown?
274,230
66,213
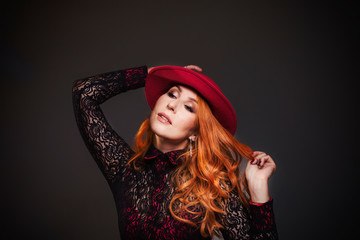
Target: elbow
82,88
78,88
77,85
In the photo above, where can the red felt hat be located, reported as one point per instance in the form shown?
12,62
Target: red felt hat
160,79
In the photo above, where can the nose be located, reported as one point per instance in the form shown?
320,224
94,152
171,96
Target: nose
172,106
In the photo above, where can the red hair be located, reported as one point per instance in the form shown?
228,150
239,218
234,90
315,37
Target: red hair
205,179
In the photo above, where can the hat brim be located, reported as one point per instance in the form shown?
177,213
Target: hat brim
160,79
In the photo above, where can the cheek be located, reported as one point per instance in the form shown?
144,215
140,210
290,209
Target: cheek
188,121
160,102
153,115
153,118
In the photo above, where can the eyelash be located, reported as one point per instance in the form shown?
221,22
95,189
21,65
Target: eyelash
189,108
171,95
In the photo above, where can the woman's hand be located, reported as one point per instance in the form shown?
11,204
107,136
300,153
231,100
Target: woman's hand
192,67
149,69
262,167
258,172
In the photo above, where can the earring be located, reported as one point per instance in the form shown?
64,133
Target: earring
190,147
192,138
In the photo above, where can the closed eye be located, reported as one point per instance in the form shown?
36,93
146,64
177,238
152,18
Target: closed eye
189,108
170,94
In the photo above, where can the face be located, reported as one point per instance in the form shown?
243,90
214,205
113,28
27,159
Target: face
174,115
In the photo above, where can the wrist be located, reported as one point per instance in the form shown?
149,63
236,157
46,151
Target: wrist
259,191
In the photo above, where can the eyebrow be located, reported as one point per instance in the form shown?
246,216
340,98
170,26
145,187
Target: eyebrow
193,99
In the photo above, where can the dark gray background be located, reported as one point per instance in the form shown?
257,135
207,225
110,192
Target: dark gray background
287,67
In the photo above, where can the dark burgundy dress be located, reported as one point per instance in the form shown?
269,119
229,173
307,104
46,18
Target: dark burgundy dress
142,198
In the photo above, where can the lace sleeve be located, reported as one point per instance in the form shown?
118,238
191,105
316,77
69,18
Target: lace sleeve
239,223
108,149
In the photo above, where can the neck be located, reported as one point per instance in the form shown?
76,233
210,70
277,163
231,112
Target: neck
166,145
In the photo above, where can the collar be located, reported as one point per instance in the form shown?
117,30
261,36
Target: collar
172,156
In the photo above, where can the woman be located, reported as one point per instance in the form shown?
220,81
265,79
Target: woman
181,180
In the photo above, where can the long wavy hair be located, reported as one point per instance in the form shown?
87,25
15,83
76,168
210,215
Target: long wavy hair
206,177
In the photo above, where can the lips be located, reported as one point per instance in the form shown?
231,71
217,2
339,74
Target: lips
164,118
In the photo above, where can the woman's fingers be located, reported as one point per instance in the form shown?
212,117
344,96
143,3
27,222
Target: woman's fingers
256,153
260,158
261,167
149,69
264,160
193,67
257,157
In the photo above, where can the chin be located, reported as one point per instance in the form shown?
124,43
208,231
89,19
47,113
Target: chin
157,127
160,130
164,132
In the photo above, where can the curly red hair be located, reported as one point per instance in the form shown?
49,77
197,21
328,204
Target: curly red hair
207,176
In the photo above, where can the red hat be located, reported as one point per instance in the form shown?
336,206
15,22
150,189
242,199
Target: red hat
160,79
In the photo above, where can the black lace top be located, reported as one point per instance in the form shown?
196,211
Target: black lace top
142,198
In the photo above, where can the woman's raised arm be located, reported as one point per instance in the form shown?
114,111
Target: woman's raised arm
108,149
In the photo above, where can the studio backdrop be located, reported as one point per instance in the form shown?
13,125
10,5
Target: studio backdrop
288,68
